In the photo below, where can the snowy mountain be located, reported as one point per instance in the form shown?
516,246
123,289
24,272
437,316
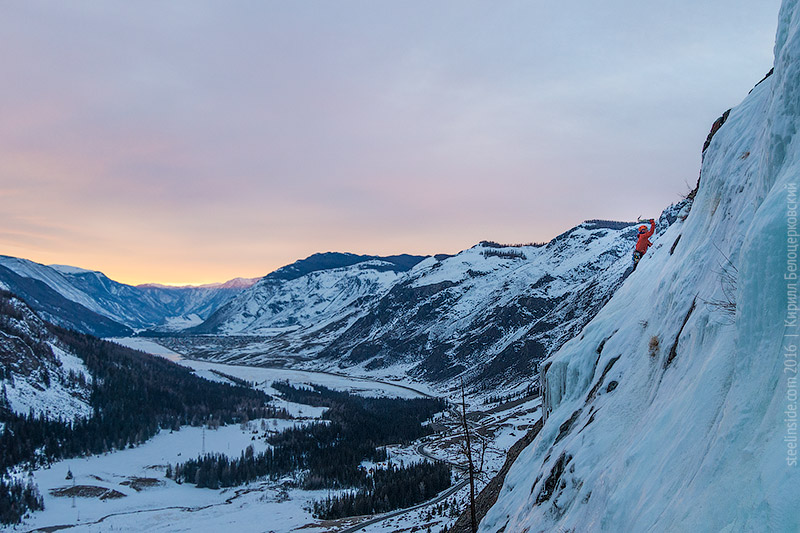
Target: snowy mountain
56,308
89,301
309,297
38,373
676,407
181,307
235,283
491,311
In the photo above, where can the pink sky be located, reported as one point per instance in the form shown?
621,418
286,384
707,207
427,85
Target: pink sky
192,142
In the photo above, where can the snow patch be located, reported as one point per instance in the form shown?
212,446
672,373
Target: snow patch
51,402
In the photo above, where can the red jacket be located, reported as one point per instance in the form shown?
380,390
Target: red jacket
644,238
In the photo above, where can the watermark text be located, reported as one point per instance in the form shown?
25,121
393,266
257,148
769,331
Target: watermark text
790,338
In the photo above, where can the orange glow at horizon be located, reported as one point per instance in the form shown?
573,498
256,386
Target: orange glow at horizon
161,266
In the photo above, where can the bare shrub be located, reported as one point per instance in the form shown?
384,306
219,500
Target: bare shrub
728,278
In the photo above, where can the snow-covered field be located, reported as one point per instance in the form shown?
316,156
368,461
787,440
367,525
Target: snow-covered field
264,376
160,504
148,346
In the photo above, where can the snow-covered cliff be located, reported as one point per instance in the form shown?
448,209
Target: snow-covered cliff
491,313
676,407
314,300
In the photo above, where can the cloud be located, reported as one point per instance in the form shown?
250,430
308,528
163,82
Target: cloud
253,133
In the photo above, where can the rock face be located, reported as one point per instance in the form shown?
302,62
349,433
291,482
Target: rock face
673,409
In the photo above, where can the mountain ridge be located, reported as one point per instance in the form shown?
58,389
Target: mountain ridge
489,313
90,302
234,283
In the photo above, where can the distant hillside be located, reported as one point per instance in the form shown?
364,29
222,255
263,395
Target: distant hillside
312,293
90,302
489,313
332,260
58,309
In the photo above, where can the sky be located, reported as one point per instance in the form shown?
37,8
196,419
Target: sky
198,141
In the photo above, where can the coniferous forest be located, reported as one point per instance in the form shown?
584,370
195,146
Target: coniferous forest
133,396
16,499
329,454
389,489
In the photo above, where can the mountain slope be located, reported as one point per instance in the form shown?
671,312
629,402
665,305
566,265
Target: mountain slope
491,311
675,409
120,306
58,309
37,373
309,293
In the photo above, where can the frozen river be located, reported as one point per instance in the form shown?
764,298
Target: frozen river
263,377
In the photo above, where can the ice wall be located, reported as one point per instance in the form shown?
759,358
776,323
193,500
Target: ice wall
669,412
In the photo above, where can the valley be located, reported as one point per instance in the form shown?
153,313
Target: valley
136,494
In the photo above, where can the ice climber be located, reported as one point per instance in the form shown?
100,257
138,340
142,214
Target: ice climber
644,242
